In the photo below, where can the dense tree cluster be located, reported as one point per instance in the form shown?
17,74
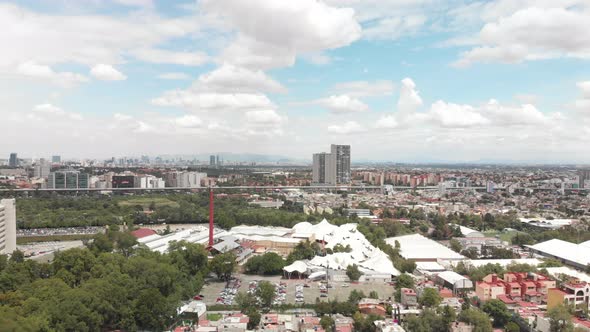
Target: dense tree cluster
91,290
267,264
431,320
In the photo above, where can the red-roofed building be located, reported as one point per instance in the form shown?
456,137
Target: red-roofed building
575,293
143,232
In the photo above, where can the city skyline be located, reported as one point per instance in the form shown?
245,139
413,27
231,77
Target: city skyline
421,81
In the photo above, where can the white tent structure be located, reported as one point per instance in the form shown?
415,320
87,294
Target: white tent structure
371,261
300,267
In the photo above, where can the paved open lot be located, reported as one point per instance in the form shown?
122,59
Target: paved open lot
212,290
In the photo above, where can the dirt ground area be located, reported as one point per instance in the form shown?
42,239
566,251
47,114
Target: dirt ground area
213,288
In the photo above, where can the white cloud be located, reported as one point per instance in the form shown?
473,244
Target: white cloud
49,110
207,101
263,117
302,27
442,114
395,27
172,57
456,116
365,88
188,121
531,34
136,3
582,104
409,99
318,59
107,73
229,78
387,122
174,76
32,69
343,104
50,39
349,127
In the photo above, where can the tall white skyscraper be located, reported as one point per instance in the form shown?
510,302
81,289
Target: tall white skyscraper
7,226
332,168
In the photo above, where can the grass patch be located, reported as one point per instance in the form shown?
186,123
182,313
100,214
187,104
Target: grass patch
146,201
214,317
48,238
504,236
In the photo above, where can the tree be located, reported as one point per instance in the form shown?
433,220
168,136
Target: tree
560,320
427,321
101,243
512,327
479,320
470,252
268,264
266,293
327,323
498,311
353,272
455,245
403,281
246,301
355,296
223,265
374,295
430,298
448,314
254,316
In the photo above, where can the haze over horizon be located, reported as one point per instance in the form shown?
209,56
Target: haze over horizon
405,81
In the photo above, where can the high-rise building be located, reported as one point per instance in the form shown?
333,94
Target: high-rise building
332,168
56,159
583,175
7,226
342,155
68,180
42,169
13,161
211,160
324,168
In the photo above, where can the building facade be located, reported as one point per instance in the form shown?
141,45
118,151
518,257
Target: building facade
342,155
7,226
13,161
68,180
324,169
332,168
42,169
583,176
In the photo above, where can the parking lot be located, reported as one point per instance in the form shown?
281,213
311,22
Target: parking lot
212,290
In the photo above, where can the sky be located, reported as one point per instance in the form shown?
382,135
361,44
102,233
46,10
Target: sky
398,80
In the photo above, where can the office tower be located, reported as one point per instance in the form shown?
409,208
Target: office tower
56,159
342,155
13,161
7,226
68,180
584,175
42,169
217,161
211,160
